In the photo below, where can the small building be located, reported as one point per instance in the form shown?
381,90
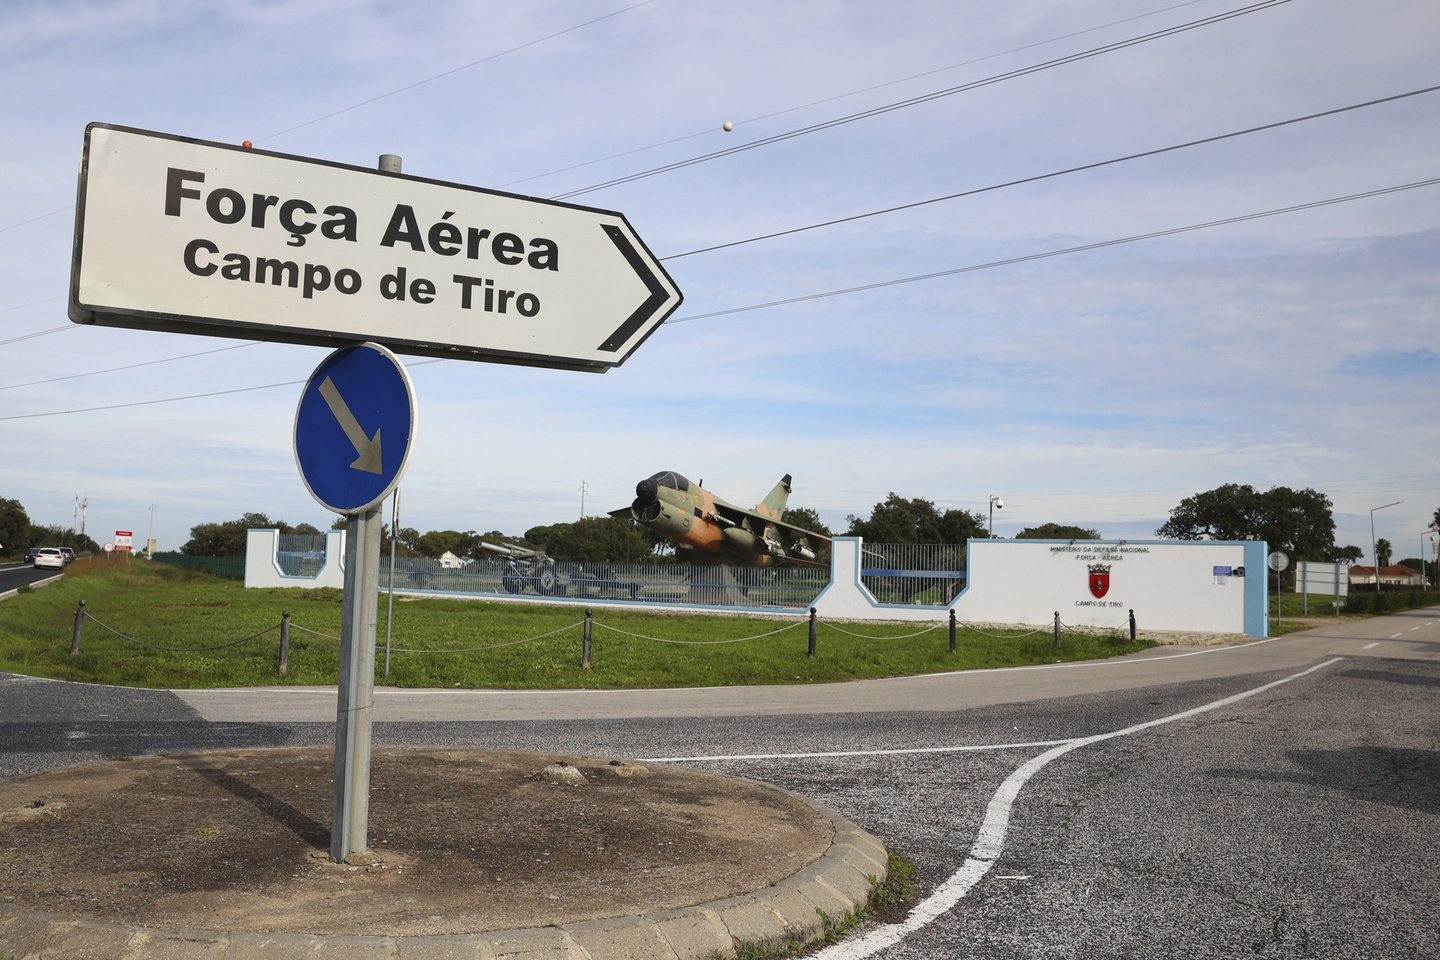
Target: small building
1397,575
448,561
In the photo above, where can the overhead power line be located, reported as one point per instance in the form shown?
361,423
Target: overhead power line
853,217
710,130
1010,261
132,366
846,290
1055,173
454,70
390,93
928,97
38,333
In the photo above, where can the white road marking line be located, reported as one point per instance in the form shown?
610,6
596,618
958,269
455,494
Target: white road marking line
990,840
1371,646
855,753
1394,636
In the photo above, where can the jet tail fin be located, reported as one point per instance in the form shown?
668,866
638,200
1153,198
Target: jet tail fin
774,503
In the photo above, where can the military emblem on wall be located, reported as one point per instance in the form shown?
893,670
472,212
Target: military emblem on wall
1099,580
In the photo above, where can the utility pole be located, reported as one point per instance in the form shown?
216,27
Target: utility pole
584,489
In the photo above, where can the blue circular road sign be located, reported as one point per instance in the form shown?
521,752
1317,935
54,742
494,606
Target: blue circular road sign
353,428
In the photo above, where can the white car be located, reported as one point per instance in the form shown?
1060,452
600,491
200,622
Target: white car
50,557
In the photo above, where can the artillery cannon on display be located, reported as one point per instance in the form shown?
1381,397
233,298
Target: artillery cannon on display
525,567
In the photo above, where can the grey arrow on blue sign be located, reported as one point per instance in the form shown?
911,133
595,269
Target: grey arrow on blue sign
354,426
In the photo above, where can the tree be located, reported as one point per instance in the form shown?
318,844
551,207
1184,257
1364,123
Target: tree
1297,521
14,527
1349,554
1057,531
1383,550
898,520
54,535
806,519
228,539
594,540
436,543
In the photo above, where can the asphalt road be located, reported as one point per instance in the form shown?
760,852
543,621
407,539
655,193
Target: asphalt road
13,575
1273,799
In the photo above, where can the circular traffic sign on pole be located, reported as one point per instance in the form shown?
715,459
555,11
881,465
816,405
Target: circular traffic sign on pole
353,428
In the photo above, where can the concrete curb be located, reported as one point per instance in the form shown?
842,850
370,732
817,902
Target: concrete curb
795,908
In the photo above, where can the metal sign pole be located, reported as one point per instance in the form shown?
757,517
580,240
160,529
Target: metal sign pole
350,813
390,586
350,796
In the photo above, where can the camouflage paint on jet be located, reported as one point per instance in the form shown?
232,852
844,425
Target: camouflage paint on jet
717,530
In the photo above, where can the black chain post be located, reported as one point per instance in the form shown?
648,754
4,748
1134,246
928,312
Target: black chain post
812,634
75,632
284,642
1057,629
952,629
1132,626
585,644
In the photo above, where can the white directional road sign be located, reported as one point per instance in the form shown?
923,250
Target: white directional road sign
189,236
354,426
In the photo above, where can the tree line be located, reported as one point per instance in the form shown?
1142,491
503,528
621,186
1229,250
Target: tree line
18,533
1299,522
618,540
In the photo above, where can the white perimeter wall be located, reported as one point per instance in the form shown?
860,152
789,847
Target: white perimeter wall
262,563
1171,585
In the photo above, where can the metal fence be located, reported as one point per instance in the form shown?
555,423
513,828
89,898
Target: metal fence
787,587
300,555
924,574
232,568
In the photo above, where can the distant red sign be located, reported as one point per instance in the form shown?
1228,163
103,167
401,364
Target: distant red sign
123,540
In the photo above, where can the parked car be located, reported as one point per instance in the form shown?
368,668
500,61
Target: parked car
67,552
30,554
50,557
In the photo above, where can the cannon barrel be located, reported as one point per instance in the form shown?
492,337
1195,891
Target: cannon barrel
511,550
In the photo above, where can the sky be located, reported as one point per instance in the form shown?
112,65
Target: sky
1092,347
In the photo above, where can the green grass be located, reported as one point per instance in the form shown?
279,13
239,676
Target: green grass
169,616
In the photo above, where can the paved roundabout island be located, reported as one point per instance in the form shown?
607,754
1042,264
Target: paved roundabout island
472,853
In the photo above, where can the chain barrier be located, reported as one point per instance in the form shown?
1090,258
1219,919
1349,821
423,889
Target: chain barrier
1121,627
156,646
813,621
697,643
861,636
1003,636
493,646
313,633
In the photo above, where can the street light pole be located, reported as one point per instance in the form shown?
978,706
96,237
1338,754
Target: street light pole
1429,533
995,501
1373,554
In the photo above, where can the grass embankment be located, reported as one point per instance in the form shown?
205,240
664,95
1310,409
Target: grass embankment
175,622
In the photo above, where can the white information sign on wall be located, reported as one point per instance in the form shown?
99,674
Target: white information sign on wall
188,236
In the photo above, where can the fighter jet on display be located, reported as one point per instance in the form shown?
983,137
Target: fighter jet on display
718,531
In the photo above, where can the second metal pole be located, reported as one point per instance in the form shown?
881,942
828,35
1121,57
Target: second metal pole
350,808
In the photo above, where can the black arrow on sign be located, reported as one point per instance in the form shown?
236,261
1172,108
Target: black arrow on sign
646,310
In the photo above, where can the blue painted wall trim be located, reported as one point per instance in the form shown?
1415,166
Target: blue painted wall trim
1257,589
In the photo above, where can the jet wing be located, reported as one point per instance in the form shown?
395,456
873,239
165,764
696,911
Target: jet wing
786,543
